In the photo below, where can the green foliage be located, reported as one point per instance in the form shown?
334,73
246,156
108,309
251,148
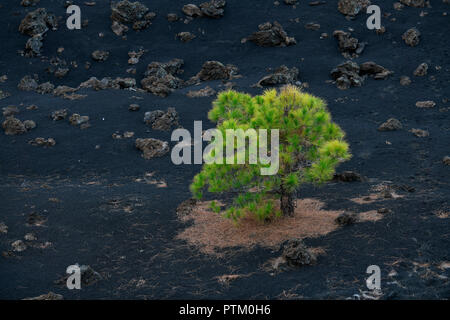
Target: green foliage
310,148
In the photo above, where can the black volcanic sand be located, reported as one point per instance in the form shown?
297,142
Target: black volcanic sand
134,249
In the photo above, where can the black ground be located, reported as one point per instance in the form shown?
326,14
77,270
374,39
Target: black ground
85,227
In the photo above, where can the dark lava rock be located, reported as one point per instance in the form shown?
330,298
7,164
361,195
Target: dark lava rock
421,70
10,111
128,12
373,69
160,120
76,120
347,218
47,296
213,8
4,94
414,3
349,46
3,228
160,77
133,107
13,126
411,37
27,83
44,88
172,17
100,55
37,22
186,36
347,75
215,70
271,35
352,7
348,176
205,92
33,46
191,10
29,124
152,148
108,83
297,254
405,80
446,160
29,3
186,207
391,124
42,142
425,104
281,75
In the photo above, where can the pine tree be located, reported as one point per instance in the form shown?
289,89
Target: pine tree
310,148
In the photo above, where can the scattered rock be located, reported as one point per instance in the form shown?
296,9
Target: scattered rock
347,218
3,228
60,114
297,254
271,35
421,70
37,22
172,17
419,133
213,8
29,124
391,124
10,111
352,7
160,77
28,83
29,3
215,70
205,92
42,142
18,246
414,3
373,69
191,10
30,237
134,107
45,88
47,296
425,104
349,46
347,75
405,81
186,36
77,120
33,46
13,126
281,75
4,94
160,120
125,12
348,176
411,37
35,219
446,160
135,56
100,55
152,148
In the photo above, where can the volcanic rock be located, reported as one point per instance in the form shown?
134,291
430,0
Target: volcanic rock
421,70
186,36
425,104
297,254
281,75
411,37
191,10
160,120
100,55
446,160
13,126
47,296
18,246
10,111
33,46
37,22
347,218
352,7
414,3
405,80
27,83
349,46
152,147
42,142
373,69
44,88
391,124
347,75
419,133
205,92
271,35
213,8
215,70
160,77
76,120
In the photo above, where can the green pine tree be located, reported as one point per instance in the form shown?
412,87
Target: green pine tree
310,148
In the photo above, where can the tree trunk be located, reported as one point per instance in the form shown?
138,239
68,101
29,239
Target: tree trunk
287,204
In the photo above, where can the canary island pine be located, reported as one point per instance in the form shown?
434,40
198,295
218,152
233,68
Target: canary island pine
310,148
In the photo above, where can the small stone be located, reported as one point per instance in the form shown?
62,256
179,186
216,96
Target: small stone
172,17
29,124
297,254
205,92
42,142
419,133
75,119
411,37
3,228
352,7
421,70
391,124
152,148
405,80
446,160
347,218
13,126
10,111
186,36
425,104
30,237
100,55
18,246
60,114
134,107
